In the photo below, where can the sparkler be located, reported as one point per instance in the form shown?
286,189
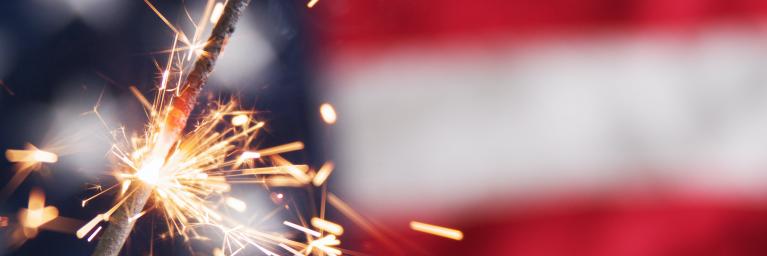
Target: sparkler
189,175
167,130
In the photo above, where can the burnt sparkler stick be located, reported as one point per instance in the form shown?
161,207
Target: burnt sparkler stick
121,223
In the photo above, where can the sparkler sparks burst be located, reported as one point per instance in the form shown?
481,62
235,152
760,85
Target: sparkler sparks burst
191,176
188,176
192,183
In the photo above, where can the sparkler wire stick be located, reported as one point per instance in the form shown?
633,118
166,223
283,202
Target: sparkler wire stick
120,226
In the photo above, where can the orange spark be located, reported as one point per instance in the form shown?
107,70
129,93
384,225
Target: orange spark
240,120
328,113
301,228
293,146
36,214
323,174
89,226
216,14
30,155
312,3
328,226
436,230
236,204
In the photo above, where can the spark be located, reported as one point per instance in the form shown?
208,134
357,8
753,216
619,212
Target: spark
291,250
240,120
164,82
142,99
293,146
328,226
236,204
283,181
249,155
89,226
94,234
357,218
125,187
312,3
26,160
301,228
36,214
216,14
325,245
30,155
323,174
135,217
297,173
328,113
436,230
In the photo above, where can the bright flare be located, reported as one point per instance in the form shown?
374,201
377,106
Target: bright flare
150,173
236,204
240,120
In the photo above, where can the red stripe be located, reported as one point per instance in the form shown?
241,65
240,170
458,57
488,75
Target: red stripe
343,24
669,226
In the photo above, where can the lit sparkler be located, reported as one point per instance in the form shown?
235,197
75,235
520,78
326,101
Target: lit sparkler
188,176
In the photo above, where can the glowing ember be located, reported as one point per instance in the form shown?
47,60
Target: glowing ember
240,120
36,214
325,245
312,3
301,228
436,230
322,174
216,14
328,113
30,155
218,252
88,226
327,226
236,204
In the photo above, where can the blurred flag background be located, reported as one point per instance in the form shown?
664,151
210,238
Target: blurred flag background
553,127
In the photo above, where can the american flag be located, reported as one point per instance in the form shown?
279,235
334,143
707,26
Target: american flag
559,127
